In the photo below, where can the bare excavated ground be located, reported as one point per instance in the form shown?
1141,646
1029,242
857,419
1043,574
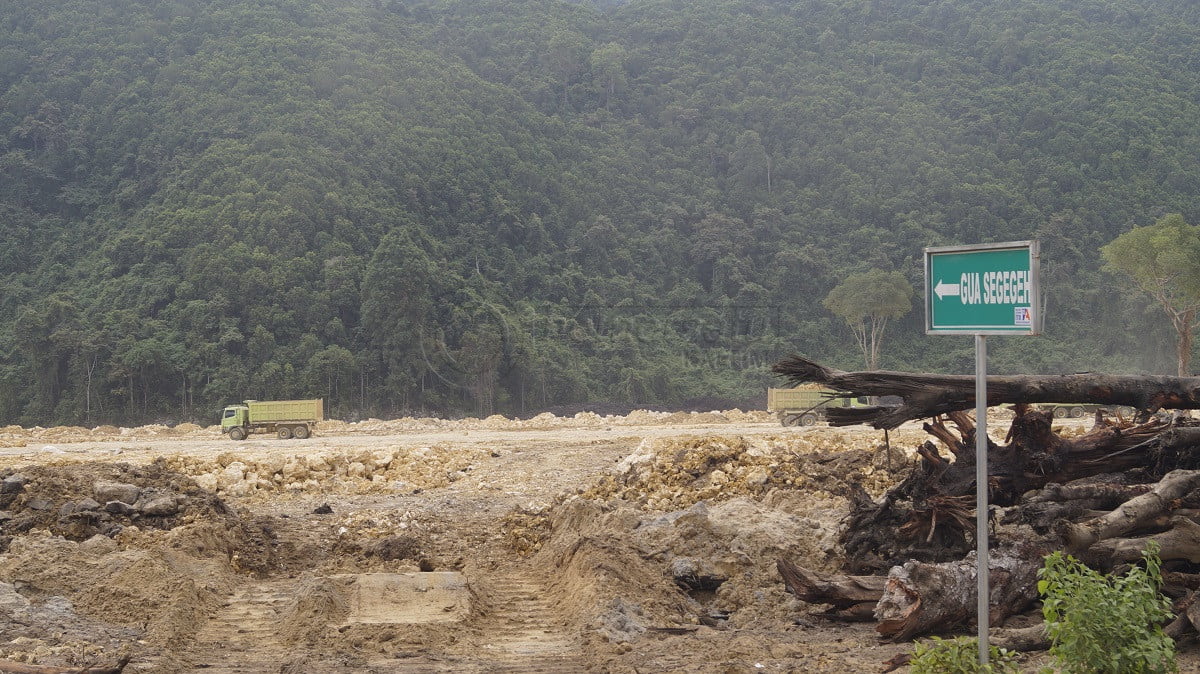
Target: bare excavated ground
644,543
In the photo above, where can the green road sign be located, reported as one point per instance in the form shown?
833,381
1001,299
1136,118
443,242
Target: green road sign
989,289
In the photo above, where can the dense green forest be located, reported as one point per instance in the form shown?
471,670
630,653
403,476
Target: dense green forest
478,206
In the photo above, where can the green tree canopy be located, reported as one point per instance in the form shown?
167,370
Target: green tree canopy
867,301
457,207
1163,261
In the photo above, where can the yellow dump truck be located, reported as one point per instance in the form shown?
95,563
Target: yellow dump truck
806,406
285,418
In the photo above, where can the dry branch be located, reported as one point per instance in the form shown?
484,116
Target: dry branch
852,598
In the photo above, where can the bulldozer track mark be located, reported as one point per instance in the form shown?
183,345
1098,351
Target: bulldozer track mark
243,635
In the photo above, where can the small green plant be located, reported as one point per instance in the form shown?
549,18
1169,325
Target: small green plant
960,656
1099,623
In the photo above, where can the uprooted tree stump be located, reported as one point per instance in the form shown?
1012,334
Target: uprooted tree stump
1101,495
917,597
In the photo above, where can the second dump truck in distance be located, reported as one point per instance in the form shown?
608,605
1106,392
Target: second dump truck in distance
805,406
285,418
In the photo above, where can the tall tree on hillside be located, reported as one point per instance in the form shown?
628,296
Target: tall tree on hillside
1163,261
867,301
565,57
608,64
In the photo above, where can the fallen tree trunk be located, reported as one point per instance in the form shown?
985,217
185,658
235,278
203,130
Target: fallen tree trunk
928,395
1024,639
1021,639
1181,542
1091,489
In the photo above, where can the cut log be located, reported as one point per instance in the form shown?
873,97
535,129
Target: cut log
1187,616
1020,639
1103,494
11,667
928,395
1181,581
1181,542
1135,513
1076,501
921,598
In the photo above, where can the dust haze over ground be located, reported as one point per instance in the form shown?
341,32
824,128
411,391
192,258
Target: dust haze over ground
637,543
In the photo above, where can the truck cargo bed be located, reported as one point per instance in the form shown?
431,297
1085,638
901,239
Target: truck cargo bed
267,411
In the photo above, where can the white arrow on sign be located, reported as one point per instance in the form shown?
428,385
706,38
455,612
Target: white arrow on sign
943,289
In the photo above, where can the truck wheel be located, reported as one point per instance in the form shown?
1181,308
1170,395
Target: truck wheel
1077,412
1059,412
809,419
236,433
300,432
285,433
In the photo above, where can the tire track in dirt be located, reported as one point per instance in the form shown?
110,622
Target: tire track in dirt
243,636
519,631
524,633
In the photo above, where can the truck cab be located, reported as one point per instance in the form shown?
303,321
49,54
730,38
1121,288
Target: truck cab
234,415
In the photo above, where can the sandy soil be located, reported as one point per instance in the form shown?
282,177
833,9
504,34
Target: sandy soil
616,544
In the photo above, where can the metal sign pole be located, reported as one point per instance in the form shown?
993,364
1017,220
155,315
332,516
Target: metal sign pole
984,289
981,494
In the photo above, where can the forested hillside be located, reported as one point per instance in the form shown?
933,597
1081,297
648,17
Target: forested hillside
477,206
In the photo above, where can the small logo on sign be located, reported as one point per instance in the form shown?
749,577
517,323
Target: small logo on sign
1022,316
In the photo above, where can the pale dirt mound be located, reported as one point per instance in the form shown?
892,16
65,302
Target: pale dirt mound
526,529
600,582
319,602
317,619
104,558
109,596
158,596
686,531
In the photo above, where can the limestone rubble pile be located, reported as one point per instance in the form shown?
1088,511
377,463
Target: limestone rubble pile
673,473
359,471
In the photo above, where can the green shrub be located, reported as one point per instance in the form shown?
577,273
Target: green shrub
960,656
1099,623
